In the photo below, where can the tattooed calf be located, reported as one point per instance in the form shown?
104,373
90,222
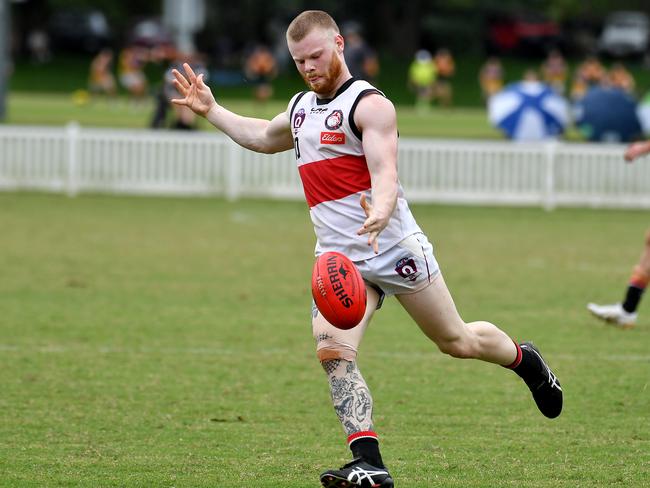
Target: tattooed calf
350,395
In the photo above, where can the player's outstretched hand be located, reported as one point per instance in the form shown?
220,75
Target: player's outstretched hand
635,150
197,95
373,225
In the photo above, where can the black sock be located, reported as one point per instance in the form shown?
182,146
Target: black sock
528,368
367,449
632,298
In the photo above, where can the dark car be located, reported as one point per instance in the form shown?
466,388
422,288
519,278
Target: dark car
521,33
79,30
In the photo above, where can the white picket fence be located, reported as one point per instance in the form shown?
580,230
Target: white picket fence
73,160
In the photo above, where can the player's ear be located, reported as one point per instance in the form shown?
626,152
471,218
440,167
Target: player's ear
340,43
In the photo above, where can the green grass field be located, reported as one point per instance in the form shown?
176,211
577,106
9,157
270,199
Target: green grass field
159,342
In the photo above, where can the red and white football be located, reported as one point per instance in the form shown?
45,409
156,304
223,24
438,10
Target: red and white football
338,290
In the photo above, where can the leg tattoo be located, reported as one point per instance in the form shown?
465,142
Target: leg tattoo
350,395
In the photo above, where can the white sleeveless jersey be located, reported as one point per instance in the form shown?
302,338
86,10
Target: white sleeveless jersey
334,173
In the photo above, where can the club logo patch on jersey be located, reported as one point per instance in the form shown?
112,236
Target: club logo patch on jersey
334,120
407,269
332,138
299,118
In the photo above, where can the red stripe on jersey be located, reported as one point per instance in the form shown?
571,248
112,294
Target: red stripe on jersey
332,179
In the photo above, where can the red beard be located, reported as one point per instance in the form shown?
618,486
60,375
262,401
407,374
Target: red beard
326,84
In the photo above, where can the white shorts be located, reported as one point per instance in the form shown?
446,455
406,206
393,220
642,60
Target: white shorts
407,267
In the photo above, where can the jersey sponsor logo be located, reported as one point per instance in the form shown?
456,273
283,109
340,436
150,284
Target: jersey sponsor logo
318,110
334,120
332,138
299,118
407,269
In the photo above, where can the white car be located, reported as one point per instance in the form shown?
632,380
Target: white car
625,34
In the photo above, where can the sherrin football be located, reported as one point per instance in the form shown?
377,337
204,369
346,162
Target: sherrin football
338,290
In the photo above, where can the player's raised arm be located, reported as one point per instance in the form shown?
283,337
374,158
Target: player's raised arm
375,116
259,135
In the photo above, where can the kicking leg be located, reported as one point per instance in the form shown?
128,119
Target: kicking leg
434,311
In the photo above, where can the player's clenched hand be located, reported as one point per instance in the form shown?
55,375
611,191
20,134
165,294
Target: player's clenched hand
197,95
373,225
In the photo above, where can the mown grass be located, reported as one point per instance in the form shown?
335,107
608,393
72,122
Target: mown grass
166,342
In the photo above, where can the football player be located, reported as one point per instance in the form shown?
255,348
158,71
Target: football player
623,314
344,135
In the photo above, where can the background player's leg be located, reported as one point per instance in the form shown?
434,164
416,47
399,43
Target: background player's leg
639,279
624,313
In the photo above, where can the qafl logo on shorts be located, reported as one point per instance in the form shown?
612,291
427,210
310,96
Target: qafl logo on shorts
334,120
299,118
407,269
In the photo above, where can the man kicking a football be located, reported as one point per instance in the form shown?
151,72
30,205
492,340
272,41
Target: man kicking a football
344,134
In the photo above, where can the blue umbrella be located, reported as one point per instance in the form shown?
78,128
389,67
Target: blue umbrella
607,115
529,111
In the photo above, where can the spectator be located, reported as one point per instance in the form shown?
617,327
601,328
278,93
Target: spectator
422,76
183,117
360,58
38,43
132,77
589,74
491,77
554,71
530,75
165,91
261,68
445,68
101,80
620,77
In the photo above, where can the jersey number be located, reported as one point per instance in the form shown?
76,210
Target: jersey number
296,146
